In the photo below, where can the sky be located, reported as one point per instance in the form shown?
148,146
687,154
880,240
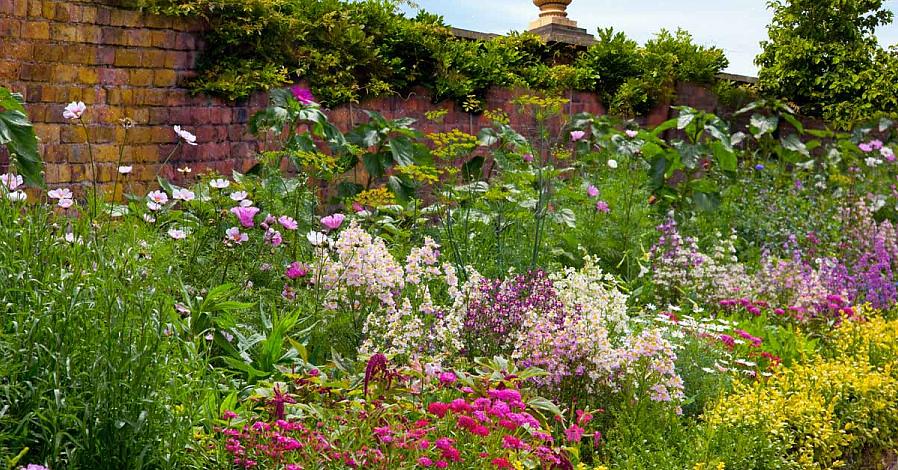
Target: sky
736,26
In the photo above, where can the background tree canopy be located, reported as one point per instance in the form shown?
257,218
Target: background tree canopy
824,56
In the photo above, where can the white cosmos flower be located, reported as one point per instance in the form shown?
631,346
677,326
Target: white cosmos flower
317,238
189,138
612,164
238,195
17,196
219,183
183,194
177,233
125,169
74,110
60,193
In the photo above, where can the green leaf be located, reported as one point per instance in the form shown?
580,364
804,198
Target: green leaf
761,125
726,157
792,142
17,133
542,404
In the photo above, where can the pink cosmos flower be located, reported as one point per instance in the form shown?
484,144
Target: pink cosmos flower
602,206
528,157
876,144
296,270
12,181
60,193
183,194
158,197
238,196
245,215
74,110
287,222
887,153
631,133
234,235
65,203
177,234
592,191
866,148
302,94
189,138
333,221
34,466
577,135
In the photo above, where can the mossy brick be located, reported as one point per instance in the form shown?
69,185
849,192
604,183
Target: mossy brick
108,150
17,50
159,116
64,73
36,30
144,153
8,7
88,75
10,28
49,52
140,77
91,95
120,96
48,133
153,58
35,8
139,38
126,18
67,32
127,58
36,72
163,39
174,97
155,97
165,78
65,12
158,21
88,14
141,135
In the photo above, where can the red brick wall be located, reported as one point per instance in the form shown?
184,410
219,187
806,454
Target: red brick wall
122,63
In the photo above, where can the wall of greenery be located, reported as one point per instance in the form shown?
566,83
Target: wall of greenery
351,50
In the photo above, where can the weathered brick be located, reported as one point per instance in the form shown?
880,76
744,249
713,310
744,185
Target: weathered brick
127,58
36,30
113,76
153,58
10,27
48,52
113,36
140,77
17,50
164,78
105,55
163,39
9,70
36,72
127,18
139,37
185,42
88,75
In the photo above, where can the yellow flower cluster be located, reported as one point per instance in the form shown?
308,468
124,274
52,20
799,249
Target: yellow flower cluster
420,173
829,409
376,197
453,144
498,116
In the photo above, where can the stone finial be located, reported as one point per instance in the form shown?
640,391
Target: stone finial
552,12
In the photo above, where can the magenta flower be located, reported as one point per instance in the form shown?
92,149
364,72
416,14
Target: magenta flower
296,270
74,110
302,94
273,237
288,222
245,215
602,206
592,191
333,221
577,135
528,157
866,148
573,433
425,462
447,378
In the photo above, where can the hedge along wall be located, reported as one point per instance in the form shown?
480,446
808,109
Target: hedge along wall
125,64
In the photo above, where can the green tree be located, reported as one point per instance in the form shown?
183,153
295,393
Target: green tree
823,54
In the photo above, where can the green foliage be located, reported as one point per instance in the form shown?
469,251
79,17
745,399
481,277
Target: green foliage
17,134
824,56
351,50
